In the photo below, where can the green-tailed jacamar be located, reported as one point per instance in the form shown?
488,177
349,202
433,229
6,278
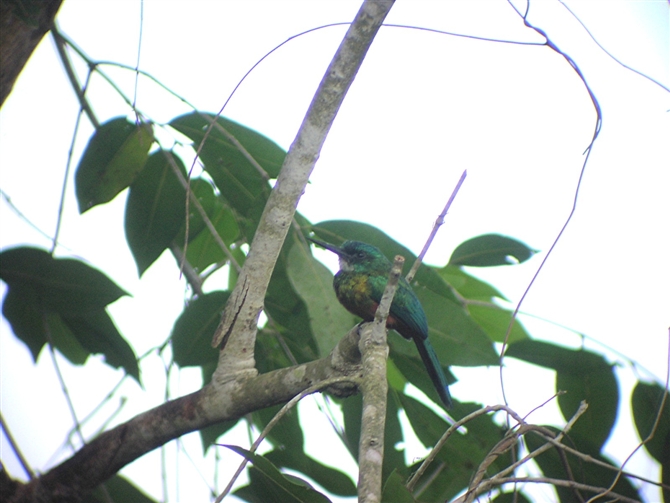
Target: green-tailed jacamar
359,286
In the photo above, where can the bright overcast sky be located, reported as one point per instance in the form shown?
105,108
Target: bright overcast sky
425,106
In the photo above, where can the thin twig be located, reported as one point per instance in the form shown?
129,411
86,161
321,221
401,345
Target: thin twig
596,133
68,166
477,487
651,433
190,273
67,64
15,448
61,380
282,412
433,453
559,482
436,226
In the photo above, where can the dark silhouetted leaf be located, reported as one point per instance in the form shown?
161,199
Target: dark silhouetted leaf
647,399
267,483
490,250
114,156
22,310
580,471
66,286
68,298
331,479
584,376
240,183
97,333
117,489
155,209
210,434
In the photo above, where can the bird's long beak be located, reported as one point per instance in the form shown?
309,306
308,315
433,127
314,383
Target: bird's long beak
338,251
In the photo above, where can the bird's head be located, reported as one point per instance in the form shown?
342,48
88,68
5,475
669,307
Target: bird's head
357,256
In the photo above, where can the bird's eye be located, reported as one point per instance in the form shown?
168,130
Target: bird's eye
361,255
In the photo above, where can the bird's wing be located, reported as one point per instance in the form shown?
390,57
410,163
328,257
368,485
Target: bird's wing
408,311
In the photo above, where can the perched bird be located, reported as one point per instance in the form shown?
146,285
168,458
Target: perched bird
359,286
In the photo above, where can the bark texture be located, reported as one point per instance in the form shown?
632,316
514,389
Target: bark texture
23,23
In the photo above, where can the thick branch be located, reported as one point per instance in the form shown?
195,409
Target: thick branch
20,32
237,330
107,454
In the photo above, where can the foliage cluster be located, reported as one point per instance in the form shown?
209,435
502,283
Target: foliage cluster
63,302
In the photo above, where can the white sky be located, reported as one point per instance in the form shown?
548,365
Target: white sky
424,107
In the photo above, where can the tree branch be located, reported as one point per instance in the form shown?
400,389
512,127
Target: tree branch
374,386
237,330
20,32
105,455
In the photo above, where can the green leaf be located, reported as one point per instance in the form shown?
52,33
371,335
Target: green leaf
394,489
646,401
352,410
21,308
584,376
456,338
67,298
114,156
267,483
467,285
204,250
452,470
413,370
155,209
337,231
65,341
495,321
287,434
204,193
288,310
581,471
240,183
210,434
428,426
332,480
117,489
490,250
97,333
513,497
314,284
65,286
192,333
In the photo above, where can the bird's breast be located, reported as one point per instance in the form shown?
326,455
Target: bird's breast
355,293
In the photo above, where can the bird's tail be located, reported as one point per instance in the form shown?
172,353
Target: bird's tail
434,369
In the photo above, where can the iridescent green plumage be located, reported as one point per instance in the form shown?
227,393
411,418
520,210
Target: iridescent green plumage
359,286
